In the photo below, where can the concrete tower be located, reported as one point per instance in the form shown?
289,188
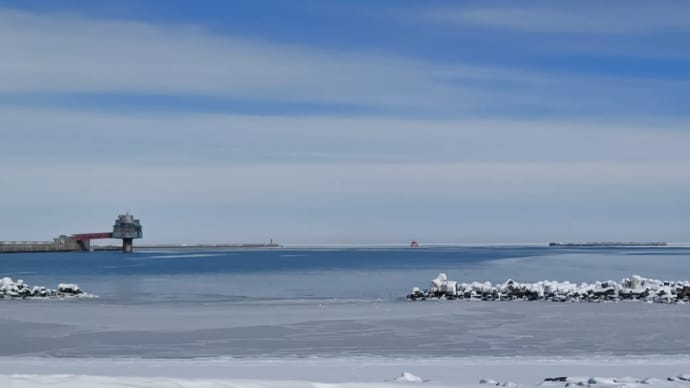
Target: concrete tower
127,228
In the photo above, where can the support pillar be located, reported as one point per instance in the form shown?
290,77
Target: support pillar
127,245
84,245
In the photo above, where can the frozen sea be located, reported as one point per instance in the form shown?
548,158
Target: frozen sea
335,315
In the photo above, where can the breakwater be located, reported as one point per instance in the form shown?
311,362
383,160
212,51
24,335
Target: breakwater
59,244
10,289
633,288
192,246
609,244
71,244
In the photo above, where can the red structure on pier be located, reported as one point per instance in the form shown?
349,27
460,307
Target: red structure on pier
92,236
126,228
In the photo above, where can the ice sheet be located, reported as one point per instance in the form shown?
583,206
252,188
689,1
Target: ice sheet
337,329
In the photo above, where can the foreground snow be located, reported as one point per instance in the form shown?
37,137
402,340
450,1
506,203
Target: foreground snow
375,372
72,381
75,381
632,288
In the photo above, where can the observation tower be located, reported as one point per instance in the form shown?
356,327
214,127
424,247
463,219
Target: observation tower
127,228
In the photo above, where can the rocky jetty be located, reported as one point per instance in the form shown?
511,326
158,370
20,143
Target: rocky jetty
632,288
10,289
601,382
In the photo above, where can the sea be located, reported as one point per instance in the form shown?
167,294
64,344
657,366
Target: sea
340,273
336,317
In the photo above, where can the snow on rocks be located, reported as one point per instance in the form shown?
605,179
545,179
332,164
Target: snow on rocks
632,288
69,288
10,289
498,383
606,382
407,377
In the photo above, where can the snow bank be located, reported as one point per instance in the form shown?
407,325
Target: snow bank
11,290
78,381
632,288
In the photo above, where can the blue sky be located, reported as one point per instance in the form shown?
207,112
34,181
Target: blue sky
346,121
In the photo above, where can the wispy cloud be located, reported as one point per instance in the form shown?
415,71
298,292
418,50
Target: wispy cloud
63,54
169,137
588,17
372,202
68,53
450,145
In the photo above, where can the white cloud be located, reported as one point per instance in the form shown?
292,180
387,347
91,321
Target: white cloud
473,201
202,138
96,159
223,184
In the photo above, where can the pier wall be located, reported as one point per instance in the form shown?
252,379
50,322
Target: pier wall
60,244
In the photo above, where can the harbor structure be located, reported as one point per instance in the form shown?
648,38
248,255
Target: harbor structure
126,228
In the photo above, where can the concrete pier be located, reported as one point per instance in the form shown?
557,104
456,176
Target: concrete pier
59,244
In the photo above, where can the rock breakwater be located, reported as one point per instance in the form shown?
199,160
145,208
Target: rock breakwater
9,289
634,288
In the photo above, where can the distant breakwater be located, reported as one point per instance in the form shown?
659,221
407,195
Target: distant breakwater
191,246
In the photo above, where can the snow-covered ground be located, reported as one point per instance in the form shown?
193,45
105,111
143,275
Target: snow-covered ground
344,373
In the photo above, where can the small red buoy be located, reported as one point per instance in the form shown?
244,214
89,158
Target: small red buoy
414,244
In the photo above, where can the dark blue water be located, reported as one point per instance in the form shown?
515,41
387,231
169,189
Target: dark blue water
244,261
325,273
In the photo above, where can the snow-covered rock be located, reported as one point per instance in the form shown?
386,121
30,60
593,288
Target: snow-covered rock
439,282
684,377
497,383
632,288
407,377
69,288
19,289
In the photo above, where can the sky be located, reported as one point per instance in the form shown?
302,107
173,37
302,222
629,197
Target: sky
337,122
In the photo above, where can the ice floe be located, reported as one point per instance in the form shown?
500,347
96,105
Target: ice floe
10,289
632,288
